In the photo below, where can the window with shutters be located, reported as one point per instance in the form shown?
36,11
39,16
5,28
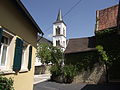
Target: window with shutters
25,54
4,48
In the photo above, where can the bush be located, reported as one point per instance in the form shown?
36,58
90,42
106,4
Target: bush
6,84
63,74
69,72
56,70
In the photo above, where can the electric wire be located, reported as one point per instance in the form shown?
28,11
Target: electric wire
66,13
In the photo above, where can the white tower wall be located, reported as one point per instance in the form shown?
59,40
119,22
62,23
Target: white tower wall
61,37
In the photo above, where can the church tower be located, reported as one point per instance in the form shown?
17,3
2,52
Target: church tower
59,32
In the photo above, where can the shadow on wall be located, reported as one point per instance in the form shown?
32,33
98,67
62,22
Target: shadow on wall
111,86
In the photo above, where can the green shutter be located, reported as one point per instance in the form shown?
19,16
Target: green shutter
30,58
18,55
1,31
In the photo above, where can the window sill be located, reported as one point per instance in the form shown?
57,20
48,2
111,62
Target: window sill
23,70
3,72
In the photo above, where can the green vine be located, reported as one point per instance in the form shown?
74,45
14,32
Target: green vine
108,51
108,46
83,60
106,31
105,58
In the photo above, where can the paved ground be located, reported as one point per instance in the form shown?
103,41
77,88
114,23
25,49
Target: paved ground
41,83
47,85
41,78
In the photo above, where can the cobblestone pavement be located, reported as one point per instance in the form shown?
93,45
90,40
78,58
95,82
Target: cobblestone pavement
47,85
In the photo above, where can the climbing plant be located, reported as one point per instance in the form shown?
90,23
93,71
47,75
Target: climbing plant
107,42
105,58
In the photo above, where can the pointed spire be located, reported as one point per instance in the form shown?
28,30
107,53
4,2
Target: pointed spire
59,17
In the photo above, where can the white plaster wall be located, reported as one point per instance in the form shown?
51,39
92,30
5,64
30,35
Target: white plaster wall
61,38
63,26
54,28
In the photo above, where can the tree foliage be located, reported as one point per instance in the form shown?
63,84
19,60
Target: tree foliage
48,53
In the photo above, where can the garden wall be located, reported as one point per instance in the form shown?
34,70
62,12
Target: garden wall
94,76
90,69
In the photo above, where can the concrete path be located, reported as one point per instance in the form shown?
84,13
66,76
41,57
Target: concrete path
41,78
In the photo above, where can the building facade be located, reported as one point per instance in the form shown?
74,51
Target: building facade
18,42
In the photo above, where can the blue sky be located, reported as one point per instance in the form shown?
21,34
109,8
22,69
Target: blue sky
80,21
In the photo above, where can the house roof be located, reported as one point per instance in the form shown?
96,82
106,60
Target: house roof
80,45
27,14
44,40
107,18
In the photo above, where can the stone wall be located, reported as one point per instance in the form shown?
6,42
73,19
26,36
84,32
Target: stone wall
94,76
42,69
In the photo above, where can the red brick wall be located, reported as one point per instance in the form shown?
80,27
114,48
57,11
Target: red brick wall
107,18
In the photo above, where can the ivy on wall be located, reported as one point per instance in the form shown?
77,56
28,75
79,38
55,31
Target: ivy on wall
112,30
109,39
83,60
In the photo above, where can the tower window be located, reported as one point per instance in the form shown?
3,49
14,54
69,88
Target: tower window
63,31
58,43
57,31
64,43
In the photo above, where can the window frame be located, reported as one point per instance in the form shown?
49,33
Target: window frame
57,42
24,62
1,53
57,30
7,68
